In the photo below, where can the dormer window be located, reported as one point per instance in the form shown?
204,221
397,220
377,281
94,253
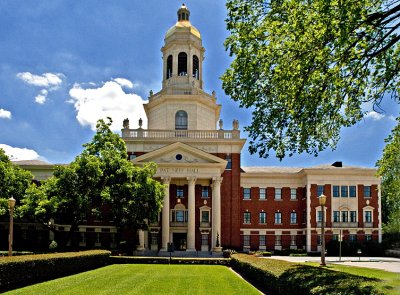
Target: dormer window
182,64
181,120
169,67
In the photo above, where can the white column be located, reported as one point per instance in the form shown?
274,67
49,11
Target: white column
165,215
216,211
191,234
140,247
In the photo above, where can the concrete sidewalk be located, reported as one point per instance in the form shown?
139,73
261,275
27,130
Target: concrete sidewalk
384,263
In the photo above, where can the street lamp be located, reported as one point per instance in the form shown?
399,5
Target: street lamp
322,202
11,205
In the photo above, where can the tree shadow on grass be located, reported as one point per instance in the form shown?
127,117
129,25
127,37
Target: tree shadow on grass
303,279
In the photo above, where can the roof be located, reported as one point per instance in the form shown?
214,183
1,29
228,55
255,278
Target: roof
271,169
183,26
31,162
294,170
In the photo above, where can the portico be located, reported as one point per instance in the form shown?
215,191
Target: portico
181,168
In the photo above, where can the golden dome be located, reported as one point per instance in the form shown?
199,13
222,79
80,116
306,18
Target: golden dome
183,24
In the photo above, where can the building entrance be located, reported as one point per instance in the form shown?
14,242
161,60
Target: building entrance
180,241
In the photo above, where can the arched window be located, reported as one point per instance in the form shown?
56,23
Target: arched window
181,120
182,64
169,67
195,67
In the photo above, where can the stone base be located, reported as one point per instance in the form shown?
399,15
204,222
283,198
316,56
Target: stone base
217,249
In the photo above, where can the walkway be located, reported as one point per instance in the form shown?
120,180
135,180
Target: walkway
385,263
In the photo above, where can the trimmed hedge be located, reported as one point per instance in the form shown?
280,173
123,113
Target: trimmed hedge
165,260
24,270
283,277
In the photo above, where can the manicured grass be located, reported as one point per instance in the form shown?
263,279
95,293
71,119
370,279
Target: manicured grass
146,279
388,282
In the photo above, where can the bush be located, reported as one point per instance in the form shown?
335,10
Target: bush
18,271
227,253
266,254
53,246
166,260
282,277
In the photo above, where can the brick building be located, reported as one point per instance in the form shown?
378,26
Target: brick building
210,200
210,195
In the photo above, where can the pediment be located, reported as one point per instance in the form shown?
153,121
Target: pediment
181,154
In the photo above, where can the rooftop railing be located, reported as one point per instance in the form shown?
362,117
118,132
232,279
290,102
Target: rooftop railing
181,134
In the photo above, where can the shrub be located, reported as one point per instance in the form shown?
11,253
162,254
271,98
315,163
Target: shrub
283,277
166,260
18,271
53,246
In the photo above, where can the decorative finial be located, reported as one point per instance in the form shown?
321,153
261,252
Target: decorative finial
140,123
125,123
221,123
235,124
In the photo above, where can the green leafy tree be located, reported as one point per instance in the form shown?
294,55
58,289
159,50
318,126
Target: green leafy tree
305,68
99,183
13,182
389,170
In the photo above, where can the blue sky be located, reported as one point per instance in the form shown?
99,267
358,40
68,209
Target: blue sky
65,63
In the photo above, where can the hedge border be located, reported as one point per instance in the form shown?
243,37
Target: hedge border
282,277
20,271
166,260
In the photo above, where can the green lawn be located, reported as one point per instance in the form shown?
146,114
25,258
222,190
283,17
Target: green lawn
146,279
389,282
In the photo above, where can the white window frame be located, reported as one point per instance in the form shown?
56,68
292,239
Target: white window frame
262,193
262,220
278,218
278,193
246,196
262,240
278,240
246,220
293,219
246,241
293,194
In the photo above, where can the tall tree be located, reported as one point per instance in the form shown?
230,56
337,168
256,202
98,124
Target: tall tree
306,67
13,181
99,183
389,170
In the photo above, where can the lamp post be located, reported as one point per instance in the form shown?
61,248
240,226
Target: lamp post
11,205
322,202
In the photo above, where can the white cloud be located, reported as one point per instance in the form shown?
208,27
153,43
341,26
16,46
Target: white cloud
378,116
4,114
18,154
46,80
108,100
124,82
41,98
